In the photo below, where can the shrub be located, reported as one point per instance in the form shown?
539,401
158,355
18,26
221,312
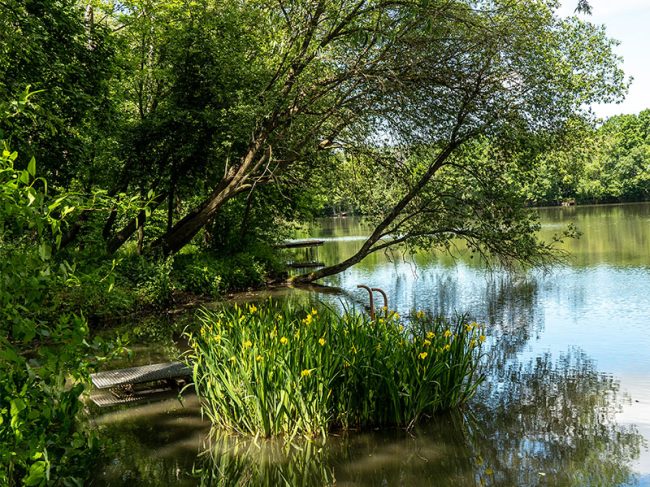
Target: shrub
283,371
203,273
41,439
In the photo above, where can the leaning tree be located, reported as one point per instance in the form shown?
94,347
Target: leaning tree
438,100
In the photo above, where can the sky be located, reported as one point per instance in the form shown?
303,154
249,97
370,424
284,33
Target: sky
629,22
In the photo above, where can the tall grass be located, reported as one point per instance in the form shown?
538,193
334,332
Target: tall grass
279,370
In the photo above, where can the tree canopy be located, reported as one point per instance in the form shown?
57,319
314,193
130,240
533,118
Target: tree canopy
438,106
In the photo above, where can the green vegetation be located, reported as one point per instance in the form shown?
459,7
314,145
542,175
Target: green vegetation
42,348
180,140
607,164
275,370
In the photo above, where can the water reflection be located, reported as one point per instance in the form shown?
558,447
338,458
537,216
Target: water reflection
150,445
234,461
539,423
554,423
546,416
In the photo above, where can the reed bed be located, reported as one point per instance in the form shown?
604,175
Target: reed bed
276,370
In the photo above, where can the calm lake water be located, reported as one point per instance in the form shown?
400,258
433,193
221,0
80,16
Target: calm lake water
567,401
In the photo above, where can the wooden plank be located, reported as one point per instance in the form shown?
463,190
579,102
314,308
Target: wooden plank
294,244
139,375
299,265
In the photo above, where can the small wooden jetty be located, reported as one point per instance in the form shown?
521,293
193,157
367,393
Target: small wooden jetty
296,244
301,265
123,386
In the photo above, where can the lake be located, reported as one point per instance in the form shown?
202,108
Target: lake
567,400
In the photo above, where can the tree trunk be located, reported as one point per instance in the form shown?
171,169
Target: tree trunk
379,231
123,235
170,207
230,185
140,238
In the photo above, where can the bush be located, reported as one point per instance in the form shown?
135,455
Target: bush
283,371
203,273
41,439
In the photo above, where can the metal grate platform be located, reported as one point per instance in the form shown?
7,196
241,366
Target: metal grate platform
105,398
138,375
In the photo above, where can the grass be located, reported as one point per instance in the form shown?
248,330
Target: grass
277,370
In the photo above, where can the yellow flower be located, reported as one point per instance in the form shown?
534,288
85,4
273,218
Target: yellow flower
396,315
400,328
346,364
321,340
274,332
258,358
305,373
481,338
252,308
308,319
353,349
423,355
468,327
284,340
248,344
430,335
427,343
472,343
217,338
448,333
419,314
314,311
446,348
232,359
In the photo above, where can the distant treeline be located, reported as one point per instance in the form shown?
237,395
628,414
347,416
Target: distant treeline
607,164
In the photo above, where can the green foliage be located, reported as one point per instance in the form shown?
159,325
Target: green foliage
46,44
283,371
203,273
609,163
43,354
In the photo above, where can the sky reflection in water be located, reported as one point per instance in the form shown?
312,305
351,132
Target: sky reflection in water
567,402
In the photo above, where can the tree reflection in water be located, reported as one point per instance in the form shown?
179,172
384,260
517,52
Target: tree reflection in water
545,423
553,423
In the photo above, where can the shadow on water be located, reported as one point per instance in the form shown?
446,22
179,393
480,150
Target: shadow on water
543,422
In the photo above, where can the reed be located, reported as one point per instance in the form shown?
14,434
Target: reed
278,370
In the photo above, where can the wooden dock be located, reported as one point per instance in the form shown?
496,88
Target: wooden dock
296,244
304,265
122,386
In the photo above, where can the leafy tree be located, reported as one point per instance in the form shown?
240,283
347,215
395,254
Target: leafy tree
258,89
526,75
52,47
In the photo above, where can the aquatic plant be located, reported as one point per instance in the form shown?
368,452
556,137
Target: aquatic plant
273,369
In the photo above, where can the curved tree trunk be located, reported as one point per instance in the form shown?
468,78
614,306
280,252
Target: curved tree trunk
233,183
380,230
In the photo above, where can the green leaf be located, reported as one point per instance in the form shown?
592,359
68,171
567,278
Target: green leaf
45,251
31,167
36,474
17,405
